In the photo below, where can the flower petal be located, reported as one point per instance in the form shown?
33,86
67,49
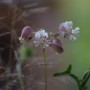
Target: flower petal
37,35
62,28
68,24
72,37
76,31
56,45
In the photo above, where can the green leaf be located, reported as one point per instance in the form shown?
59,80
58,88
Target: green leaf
85,78
86,74
67,71
59,74
77,80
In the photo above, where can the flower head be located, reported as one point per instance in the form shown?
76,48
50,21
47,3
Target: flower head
67,31
41,38
47,40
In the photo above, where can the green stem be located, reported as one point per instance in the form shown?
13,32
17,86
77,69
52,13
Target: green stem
44,55
20,76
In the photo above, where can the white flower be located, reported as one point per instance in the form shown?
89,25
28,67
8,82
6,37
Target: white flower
67,31
41,38
41,34
72,37
76,31
68,25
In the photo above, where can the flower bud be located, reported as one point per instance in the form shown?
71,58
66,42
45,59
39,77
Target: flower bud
57,46
26,33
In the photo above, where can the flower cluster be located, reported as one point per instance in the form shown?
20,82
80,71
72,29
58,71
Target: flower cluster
67,31
45,39
41,37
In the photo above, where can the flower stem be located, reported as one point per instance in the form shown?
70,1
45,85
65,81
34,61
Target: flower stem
20,76
44,55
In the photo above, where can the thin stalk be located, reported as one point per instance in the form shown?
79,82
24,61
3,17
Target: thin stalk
44,56
20,76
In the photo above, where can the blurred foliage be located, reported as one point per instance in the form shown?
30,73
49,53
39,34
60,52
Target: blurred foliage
25,51
80,82
79,52
76,10
80,14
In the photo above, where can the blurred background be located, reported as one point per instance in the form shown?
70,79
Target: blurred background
48,14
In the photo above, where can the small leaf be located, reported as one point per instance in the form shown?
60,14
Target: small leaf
77,80
59,74
85,78
86,74
68,71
